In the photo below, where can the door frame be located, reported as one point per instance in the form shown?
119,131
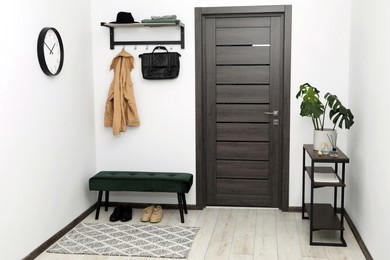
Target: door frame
201,13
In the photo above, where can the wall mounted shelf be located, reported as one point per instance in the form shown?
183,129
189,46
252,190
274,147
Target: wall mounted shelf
112,26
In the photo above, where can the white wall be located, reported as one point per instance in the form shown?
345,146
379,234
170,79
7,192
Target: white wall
320,56
367,200
47,132
47,124
165,141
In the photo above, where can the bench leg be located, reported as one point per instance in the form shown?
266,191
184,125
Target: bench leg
183,196
180,200
106,201
98,204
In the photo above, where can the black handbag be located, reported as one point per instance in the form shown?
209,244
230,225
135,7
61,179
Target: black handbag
160,65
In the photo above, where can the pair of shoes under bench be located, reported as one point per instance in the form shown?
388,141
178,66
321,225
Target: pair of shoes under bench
152,214
122,213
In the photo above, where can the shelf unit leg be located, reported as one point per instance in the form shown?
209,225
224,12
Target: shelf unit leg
311,202
303,184
342,205
335,189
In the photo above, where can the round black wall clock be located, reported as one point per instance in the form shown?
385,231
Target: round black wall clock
50,51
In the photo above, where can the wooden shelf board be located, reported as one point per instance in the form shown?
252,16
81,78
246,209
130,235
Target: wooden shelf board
127,25
324,217
325,157
325,184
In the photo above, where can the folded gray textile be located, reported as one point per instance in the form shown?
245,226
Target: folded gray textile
164,17
160,21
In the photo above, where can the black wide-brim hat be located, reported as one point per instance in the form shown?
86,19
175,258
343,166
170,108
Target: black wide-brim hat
124,17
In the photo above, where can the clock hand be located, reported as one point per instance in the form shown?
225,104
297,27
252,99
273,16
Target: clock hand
49,48
51,51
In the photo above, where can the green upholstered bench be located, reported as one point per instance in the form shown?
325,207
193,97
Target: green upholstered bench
176,182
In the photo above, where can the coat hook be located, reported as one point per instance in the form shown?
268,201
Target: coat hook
123,48
135,47
147,47
171,46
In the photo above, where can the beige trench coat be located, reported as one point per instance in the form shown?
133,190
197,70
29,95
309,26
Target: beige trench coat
121,109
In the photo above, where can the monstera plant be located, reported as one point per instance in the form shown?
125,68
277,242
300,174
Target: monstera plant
313,107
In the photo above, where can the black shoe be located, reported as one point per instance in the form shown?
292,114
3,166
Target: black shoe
127,214
117,214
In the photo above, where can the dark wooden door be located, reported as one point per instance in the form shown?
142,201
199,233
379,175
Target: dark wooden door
243,64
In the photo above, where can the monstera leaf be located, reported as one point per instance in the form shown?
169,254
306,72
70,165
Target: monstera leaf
311,105
338,113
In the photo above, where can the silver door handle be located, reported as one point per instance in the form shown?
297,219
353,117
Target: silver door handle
274,113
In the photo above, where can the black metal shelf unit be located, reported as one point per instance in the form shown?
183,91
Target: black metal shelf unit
324,216
112,27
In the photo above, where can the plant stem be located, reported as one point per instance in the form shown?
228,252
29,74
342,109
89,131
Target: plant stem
314,123
323,116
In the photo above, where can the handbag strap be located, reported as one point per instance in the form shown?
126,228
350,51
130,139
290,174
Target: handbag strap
160,48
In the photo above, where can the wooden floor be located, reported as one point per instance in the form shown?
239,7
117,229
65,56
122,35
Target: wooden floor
242,234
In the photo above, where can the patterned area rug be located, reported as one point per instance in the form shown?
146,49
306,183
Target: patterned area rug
114,239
